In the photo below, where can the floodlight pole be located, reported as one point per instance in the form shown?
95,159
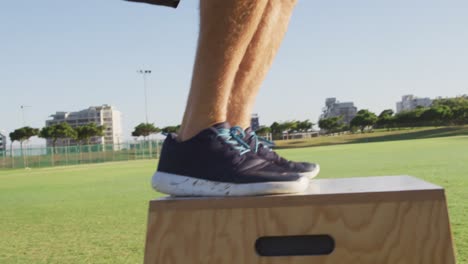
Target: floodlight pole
144,73
22,113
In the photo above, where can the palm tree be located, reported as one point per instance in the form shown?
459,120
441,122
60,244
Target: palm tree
86,132
55,132
23,134
144,130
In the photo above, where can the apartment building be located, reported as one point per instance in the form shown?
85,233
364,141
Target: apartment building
410,102
254,122
3,143
335,108
104,115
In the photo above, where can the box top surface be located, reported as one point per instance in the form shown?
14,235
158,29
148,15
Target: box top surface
369,185
321,190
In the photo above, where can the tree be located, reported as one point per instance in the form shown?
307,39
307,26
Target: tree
446,111
56,131
455,102
170,129
21,135
460,115
386,119
437,115
263,131
86,132
144,130
276,130
363,119
288,126
304,126
409,118
331,124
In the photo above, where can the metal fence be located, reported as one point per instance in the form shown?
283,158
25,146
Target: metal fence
36,157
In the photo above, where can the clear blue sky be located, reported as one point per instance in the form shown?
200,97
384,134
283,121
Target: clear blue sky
68,55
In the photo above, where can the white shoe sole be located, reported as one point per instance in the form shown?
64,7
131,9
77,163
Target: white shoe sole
311,174
178,185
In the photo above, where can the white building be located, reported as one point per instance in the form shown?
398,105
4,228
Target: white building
103,115
335,108
410,102
3,143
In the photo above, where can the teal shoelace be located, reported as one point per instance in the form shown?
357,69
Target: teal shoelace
260,140
234,137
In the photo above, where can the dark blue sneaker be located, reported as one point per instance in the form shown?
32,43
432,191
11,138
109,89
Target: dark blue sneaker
259,146
216,162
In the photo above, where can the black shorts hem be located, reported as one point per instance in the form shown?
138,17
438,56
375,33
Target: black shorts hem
170,3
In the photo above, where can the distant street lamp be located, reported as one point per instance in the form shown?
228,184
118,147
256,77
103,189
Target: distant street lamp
22,113
144,73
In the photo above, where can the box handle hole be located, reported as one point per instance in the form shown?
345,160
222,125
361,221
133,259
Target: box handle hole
303,245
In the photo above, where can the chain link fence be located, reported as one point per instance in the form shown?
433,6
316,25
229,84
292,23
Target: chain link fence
37,157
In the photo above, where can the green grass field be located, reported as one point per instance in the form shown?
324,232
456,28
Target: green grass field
97,213
378,135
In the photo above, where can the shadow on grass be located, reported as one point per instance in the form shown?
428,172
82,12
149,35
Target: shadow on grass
399,135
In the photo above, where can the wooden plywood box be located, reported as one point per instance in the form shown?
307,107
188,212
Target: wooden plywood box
390,219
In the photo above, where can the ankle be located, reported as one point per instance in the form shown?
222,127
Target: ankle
188,131
243,123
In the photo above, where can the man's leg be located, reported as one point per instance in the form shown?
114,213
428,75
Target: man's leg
257,61
252,71
209,158
226,29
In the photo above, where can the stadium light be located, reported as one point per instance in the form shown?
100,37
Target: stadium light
22,113
144,73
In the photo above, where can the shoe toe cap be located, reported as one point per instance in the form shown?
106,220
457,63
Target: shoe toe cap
306,166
